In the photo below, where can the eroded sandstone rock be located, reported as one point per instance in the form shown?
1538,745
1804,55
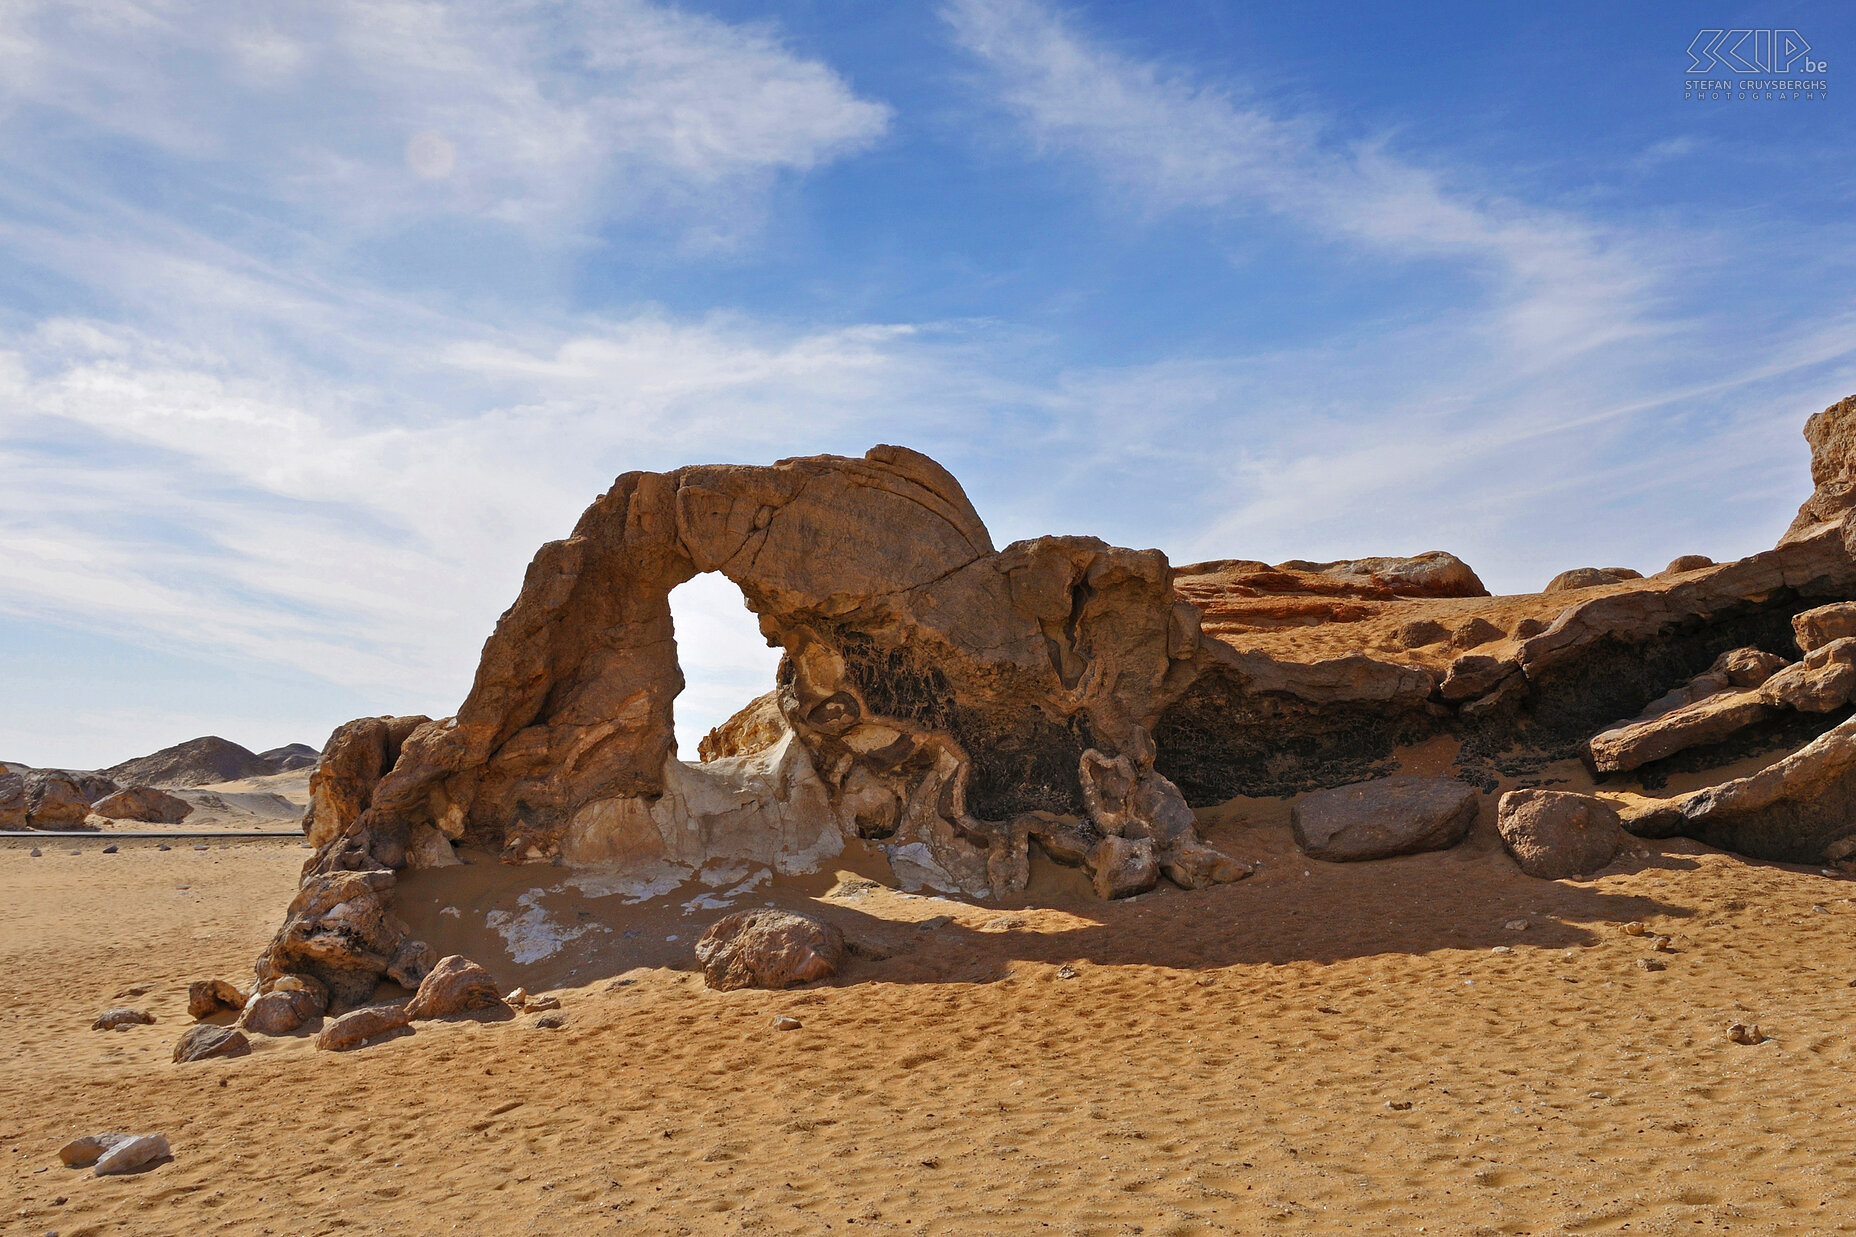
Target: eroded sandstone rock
1801,809
768,949
206,997
1819,625
933,690
1832,435
144,803
1590,577
13,801
55,801
131,1154
1555,834
117,1019
1709,720
1823,681
357,1026
198,1043
454,986
339,930
1382,818
283,1004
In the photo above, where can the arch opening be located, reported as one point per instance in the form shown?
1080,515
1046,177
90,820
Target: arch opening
725,660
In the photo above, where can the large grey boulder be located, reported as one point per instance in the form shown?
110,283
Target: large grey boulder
1556,834
1382,818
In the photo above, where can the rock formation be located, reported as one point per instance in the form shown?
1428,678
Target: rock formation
944,699
957,705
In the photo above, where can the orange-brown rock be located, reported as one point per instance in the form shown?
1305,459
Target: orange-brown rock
1832,435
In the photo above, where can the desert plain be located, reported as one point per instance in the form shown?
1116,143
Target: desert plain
1320,1048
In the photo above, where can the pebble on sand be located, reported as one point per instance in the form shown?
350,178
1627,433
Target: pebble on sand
784,1022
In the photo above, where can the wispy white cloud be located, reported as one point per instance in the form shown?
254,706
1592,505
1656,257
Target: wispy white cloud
1584,398
362,113
1167,142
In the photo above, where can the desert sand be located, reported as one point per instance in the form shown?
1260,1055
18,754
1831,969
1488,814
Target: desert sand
1320,1048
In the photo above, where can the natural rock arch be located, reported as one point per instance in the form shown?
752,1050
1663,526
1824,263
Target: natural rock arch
943,698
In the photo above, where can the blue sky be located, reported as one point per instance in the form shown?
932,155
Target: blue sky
315,320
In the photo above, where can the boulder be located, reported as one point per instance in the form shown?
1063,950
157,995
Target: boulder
1823,681
13,801
1385,817
206,997
768,949
357,1026
132,1154
1801,809
1686,562
118,1019
1816,627
1556,834
454,986
284,1003
1589,577
197,1043
1709,720
55,801
144,803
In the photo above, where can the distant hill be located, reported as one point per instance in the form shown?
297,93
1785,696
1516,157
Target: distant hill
203,761
294,756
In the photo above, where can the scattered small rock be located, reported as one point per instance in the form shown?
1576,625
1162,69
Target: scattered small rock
1741,1033
202,846
784,1022
1516,925
1633,928
1502,949
110,849
551,1022
138,1152
1399,1105
164,846
1066,971
543,1002
1663,945
35,852
117,1019
1002,923
198,1043
1652,964
933,922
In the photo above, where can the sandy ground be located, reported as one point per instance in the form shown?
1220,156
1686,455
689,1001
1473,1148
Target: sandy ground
1321,1048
